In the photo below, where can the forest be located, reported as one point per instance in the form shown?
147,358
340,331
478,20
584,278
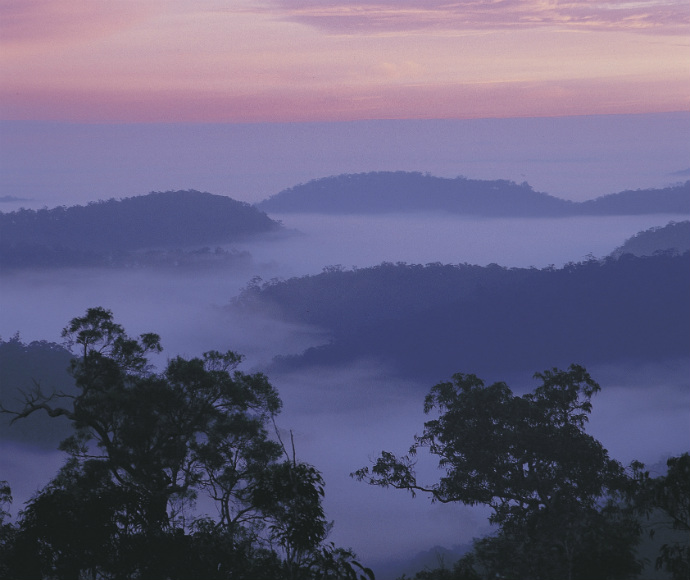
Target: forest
425,320
185,473
122,461
191,229
381,192
673,237
161,229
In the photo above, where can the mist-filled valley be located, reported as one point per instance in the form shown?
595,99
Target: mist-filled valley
343,410
333,290
355,316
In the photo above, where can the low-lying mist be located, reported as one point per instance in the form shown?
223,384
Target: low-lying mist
183,306
343,417
365,240
342,420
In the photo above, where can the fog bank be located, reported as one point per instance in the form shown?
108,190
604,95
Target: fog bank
342,418
575,158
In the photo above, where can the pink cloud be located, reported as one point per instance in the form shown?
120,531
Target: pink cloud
473,100
396,16
49,21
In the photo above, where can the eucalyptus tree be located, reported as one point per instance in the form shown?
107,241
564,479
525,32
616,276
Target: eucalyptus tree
547,481
147,445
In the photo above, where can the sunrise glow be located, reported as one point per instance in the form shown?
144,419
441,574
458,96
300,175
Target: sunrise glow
241,61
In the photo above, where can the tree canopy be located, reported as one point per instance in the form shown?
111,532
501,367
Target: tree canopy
151,449
404,191
549,484
426,321
161,229
664,505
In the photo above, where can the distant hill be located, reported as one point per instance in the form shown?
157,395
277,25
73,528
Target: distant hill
673,237
434,320
672,199
384,192
387,192
430,559
103,233
23,367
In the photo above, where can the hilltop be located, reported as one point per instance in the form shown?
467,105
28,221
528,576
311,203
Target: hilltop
391,192
106,232
429,321
673,237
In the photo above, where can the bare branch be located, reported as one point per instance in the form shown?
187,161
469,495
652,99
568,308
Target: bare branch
36,400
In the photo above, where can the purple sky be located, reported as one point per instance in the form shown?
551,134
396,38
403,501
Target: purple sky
571,157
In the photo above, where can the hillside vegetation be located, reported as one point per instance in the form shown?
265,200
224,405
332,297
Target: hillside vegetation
27,367
103,233
430,321
390,192
673,237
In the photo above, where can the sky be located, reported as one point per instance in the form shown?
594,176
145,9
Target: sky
583,157
337,60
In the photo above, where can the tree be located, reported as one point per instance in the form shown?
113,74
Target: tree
673,497
664,502
6,529
146,445
529,459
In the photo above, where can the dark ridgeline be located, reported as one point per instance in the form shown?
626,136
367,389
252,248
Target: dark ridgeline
674,237
26,367
391,192
400,191
431,321
672,199
173,228
105,233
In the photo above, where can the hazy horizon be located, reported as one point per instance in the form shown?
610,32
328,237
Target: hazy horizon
574,158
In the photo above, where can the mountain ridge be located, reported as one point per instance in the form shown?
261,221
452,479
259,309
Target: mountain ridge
674,237
429,321
116,232
400,191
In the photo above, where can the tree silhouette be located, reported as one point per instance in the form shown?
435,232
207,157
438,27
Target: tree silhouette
147,445
529,459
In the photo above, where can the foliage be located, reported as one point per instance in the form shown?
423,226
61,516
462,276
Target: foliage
6,529
401,191
549,484
583,544
30,366
5,501
664,502
147,446
673,237
147,230
425,320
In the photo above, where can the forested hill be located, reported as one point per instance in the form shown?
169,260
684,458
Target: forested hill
89,235
159,219
673,237
24,367
431,321
386,192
